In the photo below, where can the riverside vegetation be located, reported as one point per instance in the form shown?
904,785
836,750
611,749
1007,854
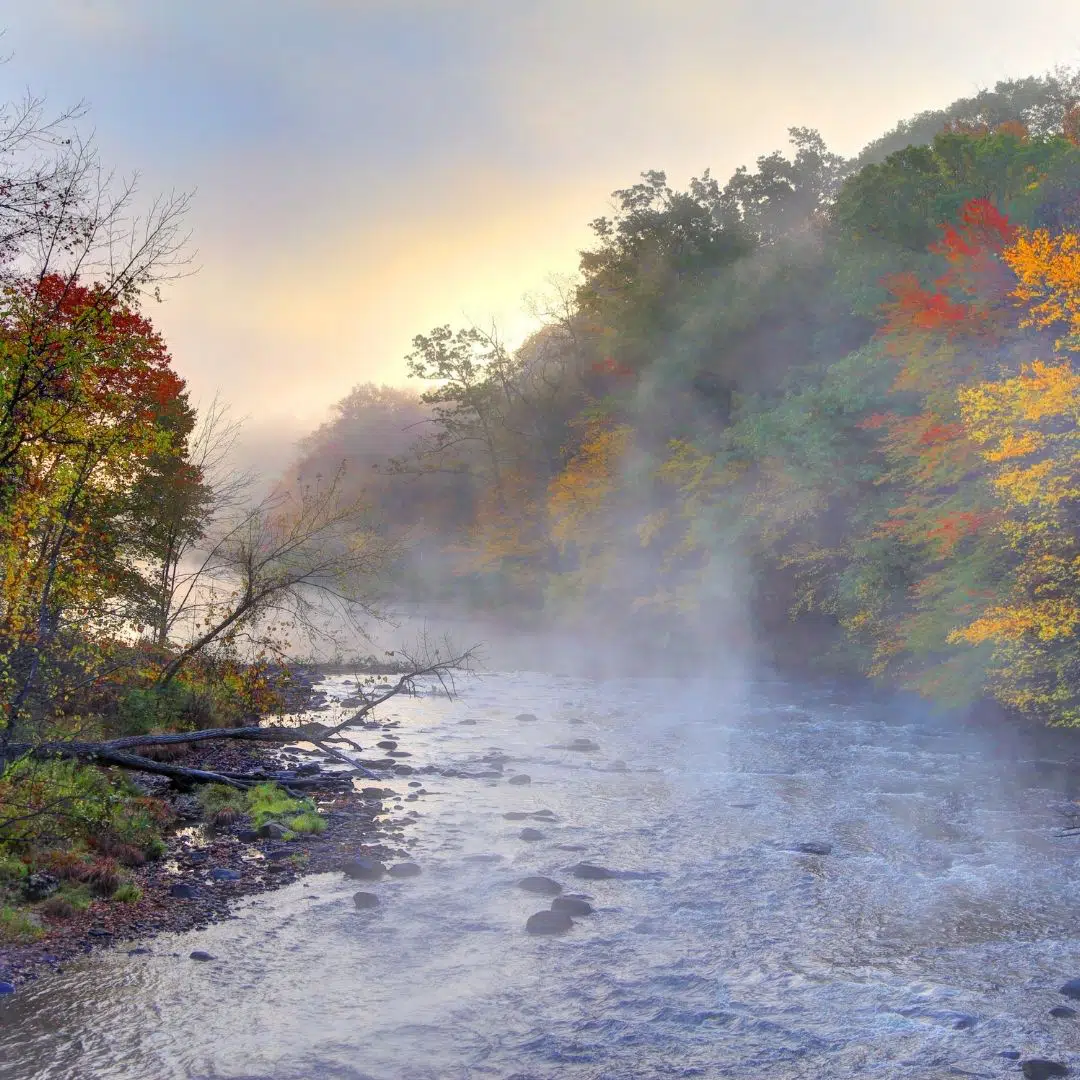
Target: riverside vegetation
828,408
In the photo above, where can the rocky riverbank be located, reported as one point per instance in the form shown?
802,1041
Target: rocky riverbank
207,867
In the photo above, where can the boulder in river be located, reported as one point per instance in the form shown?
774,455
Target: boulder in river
1063,1012
591,872
813,847
1071,989
530,834
543,886
204,957
521,778
582,745
571,905
526,718
363,869
404,870
516,815
543,815
549,922
387,744
182,891
1042,1069
365,900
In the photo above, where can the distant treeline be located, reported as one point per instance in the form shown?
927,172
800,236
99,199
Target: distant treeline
829,406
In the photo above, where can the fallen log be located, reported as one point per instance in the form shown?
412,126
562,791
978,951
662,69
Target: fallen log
123,752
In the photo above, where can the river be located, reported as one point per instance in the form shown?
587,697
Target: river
932,938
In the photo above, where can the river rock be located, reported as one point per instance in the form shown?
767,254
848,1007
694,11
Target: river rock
1063,1012
543,886
530,834
404,770
363,869
182,891
543,815
549,922
223,873
571,905
198,954
387,744
278,854
247,836
516,815
526,718
273,830
582,745
814,847
591,872
1071,989
520,779
404,870
1042,1069
365,900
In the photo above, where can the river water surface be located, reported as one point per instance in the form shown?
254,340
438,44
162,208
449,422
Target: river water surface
932,938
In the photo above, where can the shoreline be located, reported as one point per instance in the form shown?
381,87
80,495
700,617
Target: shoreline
220,866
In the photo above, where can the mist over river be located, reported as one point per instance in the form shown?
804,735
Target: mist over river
931,938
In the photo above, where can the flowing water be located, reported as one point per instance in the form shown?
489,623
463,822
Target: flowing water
933,937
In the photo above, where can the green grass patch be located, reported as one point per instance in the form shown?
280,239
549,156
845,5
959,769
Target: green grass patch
18,927
127,893
307,822
270,802
214,798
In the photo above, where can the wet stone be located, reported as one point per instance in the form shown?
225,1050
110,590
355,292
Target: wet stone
519,780
526,718
814,847
591,872
278,854
542,886
364,901
223,873
516,815
549,922
1071,989
1063,1012
182,891
387,744
571,905
1042,1069
363,869
198,954
404,870
530,834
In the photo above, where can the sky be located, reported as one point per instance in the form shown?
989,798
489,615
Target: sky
364,171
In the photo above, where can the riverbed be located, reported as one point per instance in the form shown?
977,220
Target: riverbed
931,938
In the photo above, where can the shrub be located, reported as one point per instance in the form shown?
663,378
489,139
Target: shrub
214,798
18,927
127,893
103,876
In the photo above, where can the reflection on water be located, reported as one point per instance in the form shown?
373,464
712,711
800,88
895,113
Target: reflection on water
931,939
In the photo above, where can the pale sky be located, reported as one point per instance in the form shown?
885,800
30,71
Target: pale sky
367,170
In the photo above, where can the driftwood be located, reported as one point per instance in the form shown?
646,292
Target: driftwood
123,752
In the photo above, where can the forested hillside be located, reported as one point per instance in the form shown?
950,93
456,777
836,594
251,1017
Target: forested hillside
828,408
